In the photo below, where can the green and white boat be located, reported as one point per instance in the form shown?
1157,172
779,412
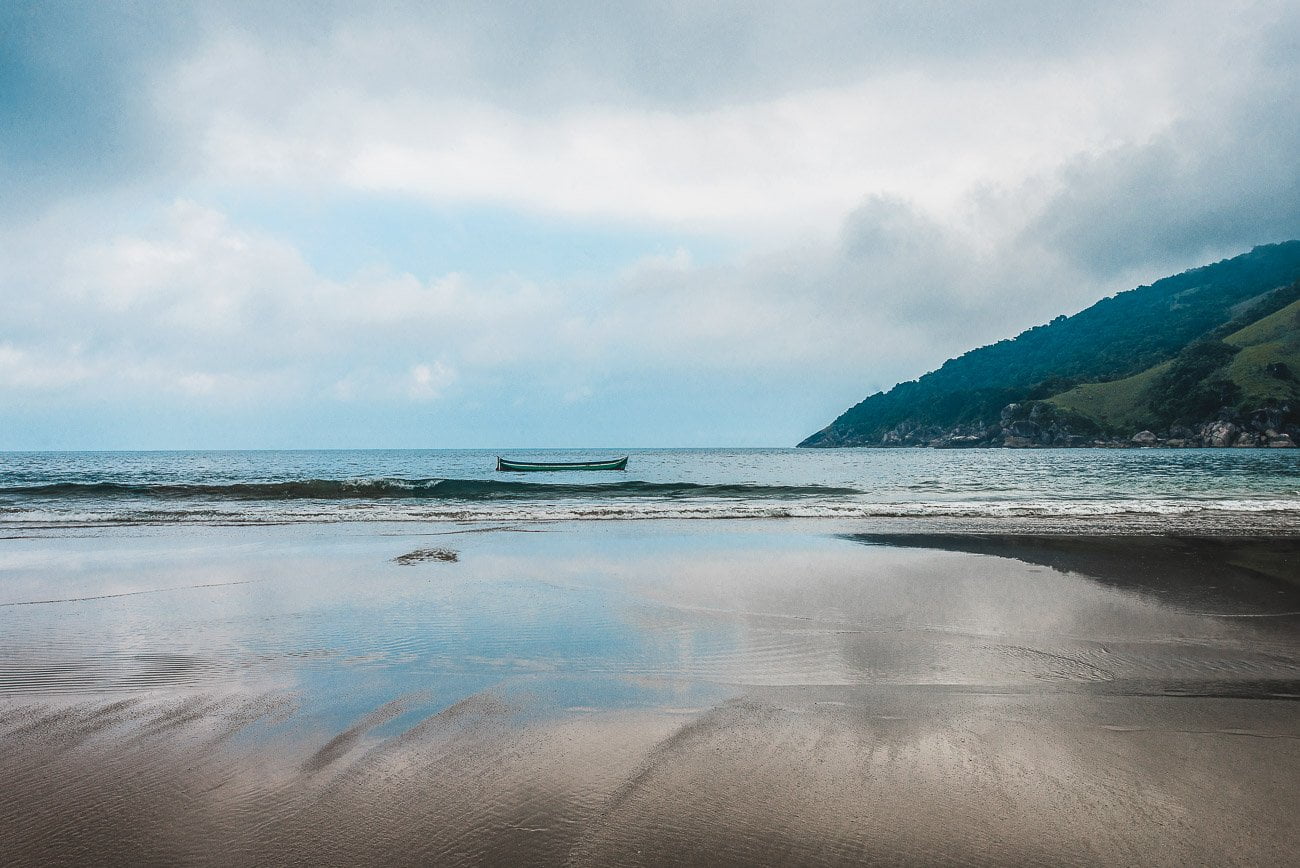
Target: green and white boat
528,466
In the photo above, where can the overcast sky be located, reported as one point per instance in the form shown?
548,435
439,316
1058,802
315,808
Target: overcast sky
563,224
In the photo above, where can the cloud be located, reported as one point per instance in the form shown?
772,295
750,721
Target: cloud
658,55
22,369
75,85
429,381
748,166
1221,178
659,111
419,383
889,184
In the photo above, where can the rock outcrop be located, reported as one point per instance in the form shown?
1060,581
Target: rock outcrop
1037,424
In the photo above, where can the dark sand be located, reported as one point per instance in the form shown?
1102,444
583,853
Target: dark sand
647,693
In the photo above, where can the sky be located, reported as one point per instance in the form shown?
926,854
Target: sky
501,224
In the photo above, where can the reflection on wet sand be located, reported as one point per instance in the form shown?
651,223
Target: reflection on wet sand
739,694
1226,576
807,776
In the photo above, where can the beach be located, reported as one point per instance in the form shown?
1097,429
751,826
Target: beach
647,692
649,434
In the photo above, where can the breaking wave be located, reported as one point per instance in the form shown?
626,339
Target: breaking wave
425,489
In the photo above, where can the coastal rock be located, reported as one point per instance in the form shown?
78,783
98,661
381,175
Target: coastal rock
1036,424
1266,418
910,434
420,556
959,441
1023,429
1249,439
1219,434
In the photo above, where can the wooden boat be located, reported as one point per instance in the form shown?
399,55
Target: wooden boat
525,466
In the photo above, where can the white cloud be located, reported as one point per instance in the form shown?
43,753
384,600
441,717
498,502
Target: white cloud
902,185
25,369
48,368
758,167
208,310
419,383
429,381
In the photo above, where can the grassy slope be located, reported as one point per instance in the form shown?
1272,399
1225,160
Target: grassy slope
1276,326
1117,404
1275,338
1122,404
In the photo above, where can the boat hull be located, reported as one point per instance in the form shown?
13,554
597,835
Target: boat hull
506,464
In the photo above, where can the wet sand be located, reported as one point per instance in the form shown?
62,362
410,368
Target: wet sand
647,693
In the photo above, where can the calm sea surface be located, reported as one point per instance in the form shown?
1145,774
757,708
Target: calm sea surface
44,489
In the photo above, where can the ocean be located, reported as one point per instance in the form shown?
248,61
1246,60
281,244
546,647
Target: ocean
1210,489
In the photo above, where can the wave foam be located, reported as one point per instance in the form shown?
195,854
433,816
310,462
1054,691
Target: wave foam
389,488
521,510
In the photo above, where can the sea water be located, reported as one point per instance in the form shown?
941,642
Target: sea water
1222,487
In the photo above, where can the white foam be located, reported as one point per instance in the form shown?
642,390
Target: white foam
305,511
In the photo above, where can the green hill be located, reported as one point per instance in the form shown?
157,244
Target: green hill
1269,361
1251,367
1118,404
1174,352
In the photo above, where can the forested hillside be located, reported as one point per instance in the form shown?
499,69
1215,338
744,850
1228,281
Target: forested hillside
1176,352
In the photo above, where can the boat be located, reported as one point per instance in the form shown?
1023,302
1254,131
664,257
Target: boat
525,466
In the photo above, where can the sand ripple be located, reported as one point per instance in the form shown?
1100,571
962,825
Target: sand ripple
769,778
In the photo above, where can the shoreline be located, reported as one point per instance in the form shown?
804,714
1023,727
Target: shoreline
1208,524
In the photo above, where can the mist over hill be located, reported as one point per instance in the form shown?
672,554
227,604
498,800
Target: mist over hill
1207,357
